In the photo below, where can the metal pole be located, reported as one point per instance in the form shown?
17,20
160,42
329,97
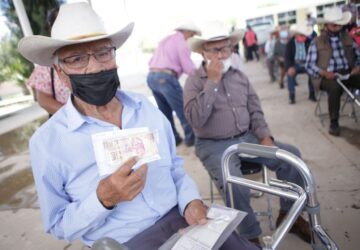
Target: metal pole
23,18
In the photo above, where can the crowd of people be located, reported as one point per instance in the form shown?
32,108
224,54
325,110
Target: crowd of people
300,50
143,207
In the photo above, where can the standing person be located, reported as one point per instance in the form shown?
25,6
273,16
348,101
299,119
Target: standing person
51,93
334,51
269,51
251,43
223,109
295,56
279,54
139,208
170,60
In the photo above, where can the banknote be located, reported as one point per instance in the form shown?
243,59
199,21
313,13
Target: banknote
113,148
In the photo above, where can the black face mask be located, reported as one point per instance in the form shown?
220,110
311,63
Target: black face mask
97,88
333,34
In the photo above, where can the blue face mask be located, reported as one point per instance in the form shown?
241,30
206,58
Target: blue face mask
284,34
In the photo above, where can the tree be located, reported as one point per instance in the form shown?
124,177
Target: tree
12,65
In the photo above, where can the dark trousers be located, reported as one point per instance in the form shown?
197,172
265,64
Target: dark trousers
156,235
168,94
253,49
334,91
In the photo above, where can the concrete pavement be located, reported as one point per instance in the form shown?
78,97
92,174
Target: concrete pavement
334,161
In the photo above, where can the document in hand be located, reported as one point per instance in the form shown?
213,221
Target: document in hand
113,148
222,221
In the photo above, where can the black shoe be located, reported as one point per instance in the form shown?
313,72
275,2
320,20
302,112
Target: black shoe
281,85
312,96
292,99
334,128
178,141
301,227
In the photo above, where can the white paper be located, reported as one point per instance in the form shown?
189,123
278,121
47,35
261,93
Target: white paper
113,148
204,237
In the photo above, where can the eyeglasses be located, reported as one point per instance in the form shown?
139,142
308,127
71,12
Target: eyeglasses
80,61
223,50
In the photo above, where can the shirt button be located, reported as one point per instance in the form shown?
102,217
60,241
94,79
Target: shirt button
233,109
208,106
215,89
228,94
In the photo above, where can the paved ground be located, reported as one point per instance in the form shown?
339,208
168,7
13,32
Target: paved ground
335,163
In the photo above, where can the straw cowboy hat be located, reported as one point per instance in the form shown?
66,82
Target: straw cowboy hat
76,23
190,26
214,31
301,29
336,16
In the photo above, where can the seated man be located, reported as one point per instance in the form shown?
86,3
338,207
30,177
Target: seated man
139,208
295,56
330,53
224,110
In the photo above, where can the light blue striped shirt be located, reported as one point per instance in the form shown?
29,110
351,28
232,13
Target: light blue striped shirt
66,175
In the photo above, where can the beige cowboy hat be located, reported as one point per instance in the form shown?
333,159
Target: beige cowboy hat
214,31
301,29
336,16
76,23
190,26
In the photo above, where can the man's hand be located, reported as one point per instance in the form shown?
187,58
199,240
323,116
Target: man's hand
328,75
214,70
291,71
355,70
267,141
195,213
123,185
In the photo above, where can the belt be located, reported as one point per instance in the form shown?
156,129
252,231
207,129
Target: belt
166,71
227,138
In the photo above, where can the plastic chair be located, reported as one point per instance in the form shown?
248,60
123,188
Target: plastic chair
250,168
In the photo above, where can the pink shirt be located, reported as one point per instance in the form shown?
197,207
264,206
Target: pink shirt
173,53
40,79
250,38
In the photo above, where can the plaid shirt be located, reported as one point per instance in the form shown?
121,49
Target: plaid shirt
337,62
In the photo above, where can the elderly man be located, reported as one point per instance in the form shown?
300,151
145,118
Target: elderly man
334,52
141,208
223,109
295,56
170,60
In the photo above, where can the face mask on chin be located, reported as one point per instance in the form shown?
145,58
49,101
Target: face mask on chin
227,64
96,88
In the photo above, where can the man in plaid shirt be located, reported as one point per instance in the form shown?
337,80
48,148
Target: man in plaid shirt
333,52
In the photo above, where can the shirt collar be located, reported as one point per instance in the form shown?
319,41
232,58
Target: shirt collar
75,119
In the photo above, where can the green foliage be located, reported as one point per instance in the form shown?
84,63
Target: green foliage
12,65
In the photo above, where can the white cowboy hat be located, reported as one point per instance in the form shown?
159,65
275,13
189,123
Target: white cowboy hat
214,31
76,23
190,26
336,16
301,29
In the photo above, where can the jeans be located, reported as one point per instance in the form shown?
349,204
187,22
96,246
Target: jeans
300,69
210,153
168,94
